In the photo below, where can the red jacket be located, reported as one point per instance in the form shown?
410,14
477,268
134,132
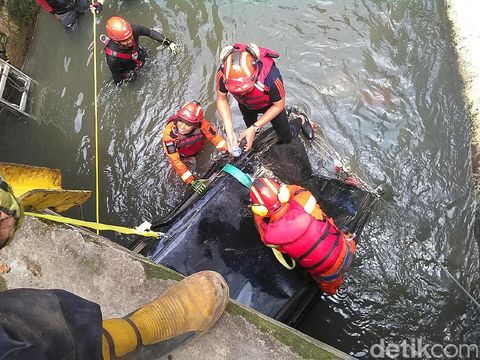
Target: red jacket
310,237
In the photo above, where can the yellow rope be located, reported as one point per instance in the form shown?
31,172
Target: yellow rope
96,226
97,191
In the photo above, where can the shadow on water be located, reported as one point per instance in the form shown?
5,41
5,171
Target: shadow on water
381,80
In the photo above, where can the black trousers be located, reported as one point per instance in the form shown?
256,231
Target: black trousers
285,130
49,324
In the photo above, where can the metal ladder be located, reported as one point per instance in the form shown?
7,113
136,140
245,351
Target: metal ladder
15,86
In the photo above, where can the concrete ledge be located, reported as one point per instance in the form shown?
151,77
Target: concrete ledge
51,256
463,16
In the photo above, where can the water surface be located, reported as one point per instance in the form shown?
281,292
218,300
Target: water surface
379,77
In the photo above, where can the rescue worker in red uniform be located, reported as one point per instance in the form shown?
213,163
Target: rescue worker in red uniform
185,135
289,219
124,55
68,11
249,73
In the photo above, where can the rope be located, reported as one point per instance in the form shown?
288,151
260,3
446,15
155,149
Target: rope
96,226
442,267
97,191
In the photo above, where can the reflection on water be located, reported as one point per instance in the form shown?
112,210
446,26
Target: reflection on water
379,77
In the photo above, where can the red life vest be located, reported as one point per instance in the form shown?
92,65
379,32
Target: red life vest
132,55
190,144
314,244
258,98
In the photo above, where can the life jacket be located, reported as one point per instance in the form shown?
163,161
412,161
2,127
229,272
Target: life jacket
131,55
314,244
258,98
60,6
190,144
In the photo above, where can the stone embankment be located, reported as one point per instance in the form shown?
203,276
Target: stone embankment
17,24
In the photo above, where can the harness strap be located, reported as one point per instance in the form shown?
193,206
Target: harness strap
133,55
281,259
314,246
325,258
342,269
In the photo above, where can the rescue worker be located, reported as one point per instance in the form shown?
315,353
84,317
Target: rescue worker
69,11
56,324
289,219
11,213
124,54
185,135
249,73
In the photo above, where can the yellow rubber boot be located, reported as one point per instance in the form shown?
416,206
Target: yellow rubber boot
182,313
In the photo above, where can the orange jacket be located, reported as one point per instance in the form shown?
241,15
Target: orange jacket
176,144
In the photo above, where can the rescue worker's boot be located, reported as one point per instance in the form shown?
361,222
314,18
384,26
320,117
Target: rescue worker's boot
307,127
182,313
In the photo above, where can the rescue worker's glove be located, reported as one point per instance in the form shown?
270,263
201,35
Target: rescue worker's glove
173,48
199,185
97,6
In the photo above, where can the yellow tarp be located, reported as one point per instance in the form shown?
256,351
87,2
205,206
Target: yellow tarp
41,188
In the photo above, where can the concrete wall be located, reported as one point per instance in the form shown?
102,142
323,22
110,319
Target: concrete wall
463,15
51,256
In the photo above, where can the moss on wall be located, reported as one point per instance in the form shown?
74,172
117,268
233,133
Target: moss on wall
22,11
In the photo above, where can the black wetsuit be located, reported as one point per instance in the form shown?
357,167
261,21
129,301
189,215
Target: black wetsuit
125,69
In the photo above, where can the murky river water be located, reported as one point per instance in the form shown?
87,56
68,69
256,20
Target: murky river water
379,77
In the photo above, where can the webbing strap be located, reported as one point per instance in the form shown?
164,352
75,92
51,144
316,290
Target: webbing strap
281,259
95,226
238,174
325,258
314,246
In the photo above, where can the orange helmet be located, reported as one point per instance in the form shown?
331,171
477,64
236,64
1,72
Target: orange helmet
118,29
191,113
240,70
268,196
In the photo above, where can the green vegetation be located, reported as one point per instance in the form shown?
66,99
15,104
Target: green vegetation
3,284
155,271
22,11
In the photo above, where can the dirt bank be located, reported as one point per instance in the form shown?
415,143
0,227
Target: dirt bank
16,30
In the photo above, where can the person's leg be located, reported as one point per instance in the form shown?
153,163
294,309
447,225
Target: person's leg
70,18
182,313
286,130
308,128
55,322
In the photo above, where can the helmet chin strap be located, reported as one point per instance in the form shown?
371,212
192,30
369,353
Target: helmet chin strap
279,213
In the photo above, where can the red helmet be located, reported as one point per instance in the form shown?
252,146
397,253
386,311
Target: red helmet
268,196
118,29
240,70
191,113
